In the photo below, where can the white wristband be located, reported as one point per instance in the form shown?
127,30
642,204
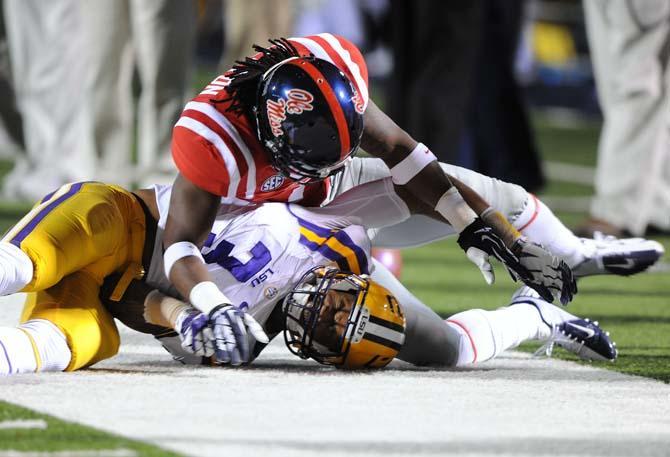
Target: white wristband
206,296
452,206
178,251
410,166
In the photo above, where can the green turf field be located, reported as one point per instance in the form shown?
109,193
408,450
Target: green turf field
635,310
65,437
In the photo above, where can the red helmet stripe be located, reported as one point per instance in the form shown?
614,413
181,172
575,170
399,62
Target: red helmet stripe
333,104
338,61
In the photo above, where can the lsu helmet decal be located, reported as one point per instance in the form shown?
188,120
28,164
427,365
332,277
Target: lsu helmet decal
342,319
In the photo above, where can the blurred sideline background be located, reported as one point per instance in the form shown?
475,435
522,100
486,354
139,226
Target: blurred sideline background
549,66
516,98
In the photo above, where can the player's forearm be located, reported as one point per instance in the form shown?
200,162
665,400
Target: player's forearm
187,272
414,168
422,183
165,311
493,218
384,139
190,218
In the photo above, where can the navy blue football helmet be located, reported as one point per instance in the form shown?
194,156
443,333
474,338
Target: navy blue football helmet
309,118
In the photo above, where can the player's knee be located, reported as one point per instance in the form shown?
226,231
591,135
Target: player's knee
93,343
47,259
514,200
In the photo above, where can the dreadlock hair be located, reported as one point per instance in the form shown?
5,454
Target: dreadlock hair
246,74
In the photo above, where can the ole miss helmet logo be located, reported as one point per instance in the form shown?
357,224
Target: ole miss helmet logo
359,103
297,102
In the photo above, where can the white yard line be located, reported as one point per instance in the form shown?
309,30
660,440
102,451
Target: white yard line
283,406
21,424
660,267
567,172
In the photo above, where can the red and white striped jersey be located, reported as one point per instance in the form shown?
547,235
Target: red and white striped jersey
220,152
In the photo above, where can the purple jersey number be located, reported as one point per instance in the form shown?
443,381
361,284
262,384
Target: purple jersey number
241,271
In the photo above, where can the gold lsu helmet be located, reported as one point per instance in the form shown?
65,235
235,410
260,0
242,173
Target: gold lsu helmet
343,319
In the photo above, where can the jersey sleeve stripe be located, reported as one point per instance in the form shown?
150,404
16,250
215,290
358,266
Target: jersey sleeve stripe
201,129
338,240
217,129
334,44
320,245
230,129
341,249
361,259
347,253
236,153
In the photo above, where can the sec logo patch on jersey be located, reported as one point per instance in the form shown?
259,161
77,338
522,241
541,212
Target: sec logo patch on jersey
272,183
271,292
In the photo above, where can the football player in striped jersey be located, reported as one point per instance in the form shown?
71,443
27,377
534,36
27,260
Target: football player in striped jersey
87,233
283,126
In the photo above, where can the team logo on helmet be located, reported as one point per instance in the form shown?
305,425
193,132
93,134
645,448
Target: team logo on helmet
272,183
359,104
297,102
310,118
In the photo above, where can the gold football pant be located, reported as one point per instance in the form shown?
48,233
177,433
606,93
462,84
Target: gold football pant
75,237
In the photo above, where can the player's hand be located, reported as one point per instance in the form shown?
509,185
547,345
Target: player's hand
547,274
229,327
479,242
195,333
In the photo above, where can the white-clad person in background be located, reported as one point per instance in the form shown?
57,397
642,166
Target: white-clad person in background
46,52
629,42
11,129
157,39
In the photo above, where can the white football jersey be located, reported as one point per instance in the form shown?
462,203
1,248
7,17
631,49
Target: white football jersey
257,254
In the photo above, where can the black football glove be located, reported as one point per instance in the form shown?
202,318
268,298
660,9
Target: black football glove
527,262
550,276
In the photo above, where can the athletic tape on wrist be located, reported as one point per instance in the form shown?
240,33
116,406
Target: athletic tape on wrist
411,165
499,223
206,296
452,206
178,251
162,310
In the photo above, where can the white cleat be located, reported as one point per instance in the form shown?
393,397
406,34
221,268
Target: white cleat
620,256
582,337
